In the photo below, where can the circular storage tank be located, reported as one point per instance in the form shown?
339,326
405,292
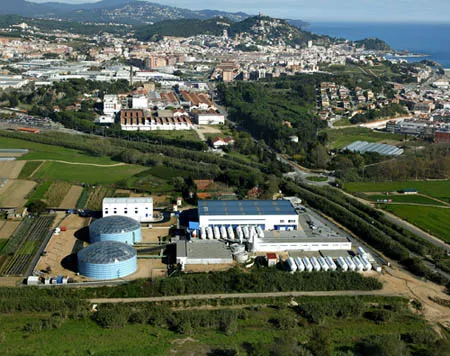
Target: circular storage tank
107,260
116,228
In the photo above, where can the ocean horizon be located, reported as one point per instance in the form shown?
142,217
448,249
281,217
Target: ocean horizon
423,38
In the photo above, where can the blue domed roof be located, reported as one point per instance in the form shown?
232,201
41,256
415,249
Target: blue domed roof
105,252
114,225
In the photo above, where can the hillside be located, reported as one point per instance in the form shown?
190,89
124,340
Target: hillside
112,11
261,30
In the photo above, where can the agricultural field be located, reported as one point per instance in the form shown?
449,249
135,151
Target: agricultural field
339,138
228,329
85,173
56,193
435,221
72,197
24,244
15,192
11,169
7,227
40,191
407,199
95,198
39,151
185,135
439,189
29,168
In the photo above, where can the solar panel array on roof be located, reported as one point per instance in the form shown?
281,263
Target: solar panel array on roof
381,148
245,207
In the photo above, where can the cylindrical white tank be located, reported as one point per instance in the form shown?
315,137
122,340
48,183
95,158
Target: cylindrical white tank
202,233
291,264
367,265
216,233
230,232
241,257
246,232
209,233
253,233
323,263
223,232
331,263
260,232
239,232
361,251
342,264
299,263
358,263
350,264
315,263
307,263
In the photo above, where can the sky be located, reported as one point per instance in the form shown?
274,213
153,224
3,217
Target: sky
323,10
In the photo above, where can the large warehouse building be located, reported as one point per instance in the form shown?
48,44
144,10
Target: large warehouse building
140,209
267,214
107,260
116,228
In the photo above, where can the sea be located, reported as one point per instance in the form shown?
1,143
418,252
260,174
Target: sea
422,38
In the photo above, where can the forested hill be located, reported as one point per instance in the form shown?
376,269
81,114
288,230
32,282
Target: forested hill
262,29
111,11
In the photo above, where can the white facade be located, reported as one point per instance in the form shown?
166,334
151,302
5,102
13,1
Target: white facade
260,245
140,209
139,102
210,119
111,105
267,222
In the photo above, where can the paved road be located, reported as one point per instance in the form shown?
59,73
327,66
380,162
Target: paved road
242,295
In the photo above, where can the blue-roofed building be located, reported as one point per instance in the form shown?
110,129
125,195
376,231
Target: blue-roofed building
268,214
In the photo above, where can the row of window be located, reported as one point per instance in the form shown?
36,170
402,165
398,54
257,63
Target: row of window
289,221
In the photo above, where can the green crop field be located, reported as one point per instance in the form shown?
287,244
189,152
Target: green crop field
40,151
3,242
40,191
28,169
86,174
435,221
412,199
439,189
339,138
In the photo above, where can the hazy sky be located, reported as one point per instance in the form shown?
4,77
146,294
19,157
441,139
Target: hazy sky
327,10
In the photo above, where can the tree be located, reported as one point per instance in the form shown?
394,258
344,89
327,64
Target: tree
383,345
37,207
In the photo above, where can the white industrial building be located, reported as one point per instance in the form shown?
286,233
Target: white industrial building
208,118
111,105
202,253
139,102
267,214
279,241
140,209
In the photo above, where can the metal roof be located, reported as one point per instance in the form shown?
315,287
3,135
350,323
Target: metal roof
381,148
105,252
127,200
114,224
245,207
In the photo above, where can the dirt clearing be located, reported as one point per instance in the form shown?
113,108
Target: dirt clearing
14,193
11,169
71,198
7,228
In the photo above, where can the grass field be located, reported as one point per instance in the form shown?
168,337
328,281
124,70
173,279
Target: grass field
40,151
435,221
86,174
40,191
28,169
3,242
436,189
317,179
186,135
414,199
339,138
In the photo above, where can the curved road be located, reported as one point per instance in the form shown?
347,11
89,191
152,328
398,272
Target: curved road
243,295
